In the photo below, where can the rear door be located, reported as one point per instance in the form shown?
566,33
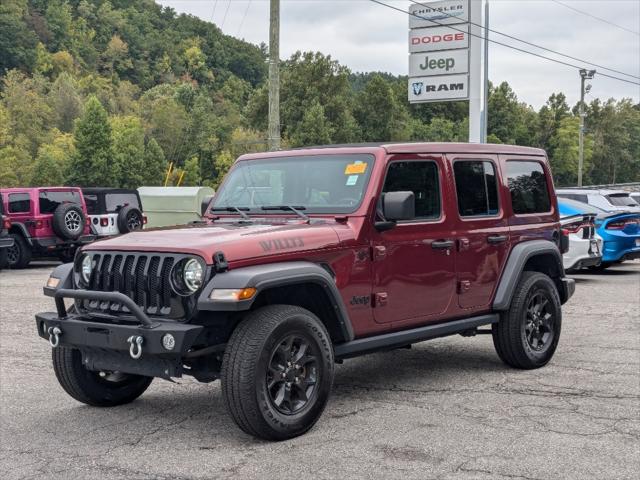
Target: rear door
483,232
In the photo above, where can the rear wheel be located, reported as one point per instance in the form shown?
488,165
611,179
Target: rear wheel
18,255
99,389
527,334
277,372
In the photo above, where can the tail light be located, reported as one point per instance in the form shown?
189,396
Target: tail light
7,223
144,219
104,222
39,224
621,224
574,227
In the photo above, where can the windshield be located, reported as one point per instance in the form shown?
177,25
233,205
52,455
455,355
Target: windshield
316,184
621,200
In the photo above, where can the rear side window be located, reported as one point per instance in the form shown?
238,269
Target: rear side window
50,200
621,200
528,186
115,201
421,178
19,203
476,187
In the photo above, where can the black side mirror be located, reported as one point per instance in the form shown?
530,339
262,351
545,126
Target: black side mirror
397,206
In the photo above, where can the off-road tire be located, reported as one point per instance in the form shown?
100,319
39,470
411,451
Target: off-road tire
245,365
129,219
60,221
4,263
509,335
88,387
20,254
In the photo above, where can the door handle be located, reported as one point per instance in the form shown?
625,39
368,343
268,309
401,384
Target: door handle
495,239
442,244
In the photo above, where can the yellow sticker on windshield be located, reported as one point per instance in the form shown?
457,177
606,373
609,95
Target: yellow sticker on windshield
355,168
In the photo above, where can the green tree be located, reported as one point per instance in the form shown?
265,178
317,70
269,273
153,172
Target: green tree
92,164
65,102
17,41
223,163
564,143
314,129
379,114
155,165
191,172
128,151
16,166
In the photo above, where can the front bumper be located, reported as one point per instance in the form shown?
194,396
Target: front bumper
107,345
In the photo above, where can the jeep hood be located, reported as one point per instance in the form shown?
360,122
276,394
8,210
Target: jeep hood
237,242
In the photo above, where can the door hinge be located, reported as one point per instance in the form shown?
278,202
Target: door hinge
378,252
380,299
464,286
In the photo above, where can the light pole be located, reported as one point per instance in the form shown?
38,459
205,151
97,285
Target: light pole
584,75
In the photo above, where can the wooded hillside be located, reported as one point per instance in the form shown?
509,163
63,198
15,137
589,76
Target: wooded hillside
109,92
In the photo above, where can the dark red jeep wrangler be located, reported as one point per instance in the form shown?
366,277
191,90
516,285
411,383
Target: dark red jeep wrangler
312,256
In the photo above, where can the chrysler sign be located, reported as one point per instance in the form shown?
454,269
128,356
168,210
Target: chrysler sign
433,14
431,89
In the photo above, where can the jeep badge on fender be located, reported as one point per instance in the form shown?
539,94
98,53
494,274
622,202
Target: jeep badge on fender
310,257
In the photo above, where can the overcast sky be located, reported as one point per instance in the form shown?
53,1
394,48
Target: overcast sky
369,37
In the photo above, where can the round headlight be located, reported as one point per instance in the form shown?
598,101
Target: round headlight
85,268
192,275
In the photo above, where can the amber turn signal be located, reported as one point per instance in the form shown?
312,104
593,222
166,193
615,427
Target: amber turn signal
53,282
232,294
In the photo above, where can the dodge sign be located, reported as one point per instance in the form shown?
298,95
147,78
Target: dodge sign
438,38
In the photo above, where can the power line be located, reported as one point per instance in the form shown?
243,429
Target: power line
503,44
243,17
215,4
225,15
597,18
541,47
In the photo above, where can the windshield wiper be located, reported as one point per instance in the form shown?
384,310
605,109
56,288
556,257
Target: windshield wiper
239,210
295,209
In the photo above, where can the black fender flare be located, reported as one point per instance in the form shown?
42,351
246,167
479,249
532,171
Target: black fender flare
518,257
263,277
20,228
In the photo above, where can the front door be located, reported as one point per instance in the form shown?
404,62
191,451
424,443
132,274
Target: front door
483,240
414,262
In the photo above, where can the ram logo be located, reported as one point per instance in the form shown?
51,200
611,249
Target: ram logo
417,88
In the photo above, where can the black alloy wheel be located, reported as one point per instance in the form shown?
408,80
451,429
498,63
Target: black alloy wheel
292,374
539,326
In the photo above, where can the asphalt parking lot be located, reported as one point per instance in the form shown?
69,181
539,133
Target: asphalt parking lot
444,409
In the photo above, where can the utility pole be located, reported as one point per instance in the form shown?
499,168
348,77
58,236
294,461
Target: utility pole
274,76
584,75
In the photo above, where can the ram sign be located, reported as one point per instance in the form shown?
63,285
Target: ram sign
433,89
433,14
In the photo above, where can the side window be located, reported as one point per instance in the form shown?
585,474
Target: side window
476,187
419,177
528,186
19,203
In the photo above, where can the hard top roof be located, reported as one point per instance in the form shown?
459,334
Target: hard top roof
409,147
29,189
98,190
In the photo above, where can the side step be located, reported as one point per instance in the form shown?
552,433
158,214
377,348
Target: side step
407,337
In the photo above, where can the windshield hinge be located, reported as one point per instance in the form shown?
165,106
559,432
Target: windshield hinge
220,262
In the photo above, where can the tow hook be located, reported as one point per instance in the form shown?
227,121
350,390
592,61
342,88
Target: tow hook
135,350
54,336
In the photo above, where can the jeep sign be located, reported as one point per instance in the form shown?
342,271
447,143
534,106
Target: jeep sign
438,38
439,63
433,14
431,89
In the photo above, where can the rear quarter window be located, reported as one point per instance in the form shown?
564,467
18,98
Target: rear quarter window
528,186
115,201
19,203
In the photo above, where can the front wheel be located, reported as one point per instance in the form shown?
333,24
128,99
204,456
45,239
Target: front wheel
277,372
527,334
98,389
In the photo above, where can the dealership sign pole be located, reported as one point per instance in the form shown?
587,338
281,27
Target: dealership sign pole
446,57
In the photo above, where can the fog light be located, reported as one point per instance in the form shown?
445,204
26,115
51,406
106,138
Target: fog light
168,342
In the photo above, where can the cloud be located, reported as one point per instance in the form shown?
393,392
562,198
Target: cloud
368,37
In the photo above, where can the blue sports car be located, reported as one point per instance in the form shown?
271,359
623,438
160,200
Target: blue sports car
620,231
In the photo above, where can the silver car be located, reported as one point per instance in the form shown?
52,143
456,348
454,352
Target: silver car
585,245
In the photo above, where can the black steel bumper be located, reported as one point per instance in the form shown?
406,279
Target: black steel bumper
53,243
106,345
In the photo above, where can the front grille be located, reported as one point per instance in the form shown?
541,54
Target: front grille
143,277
